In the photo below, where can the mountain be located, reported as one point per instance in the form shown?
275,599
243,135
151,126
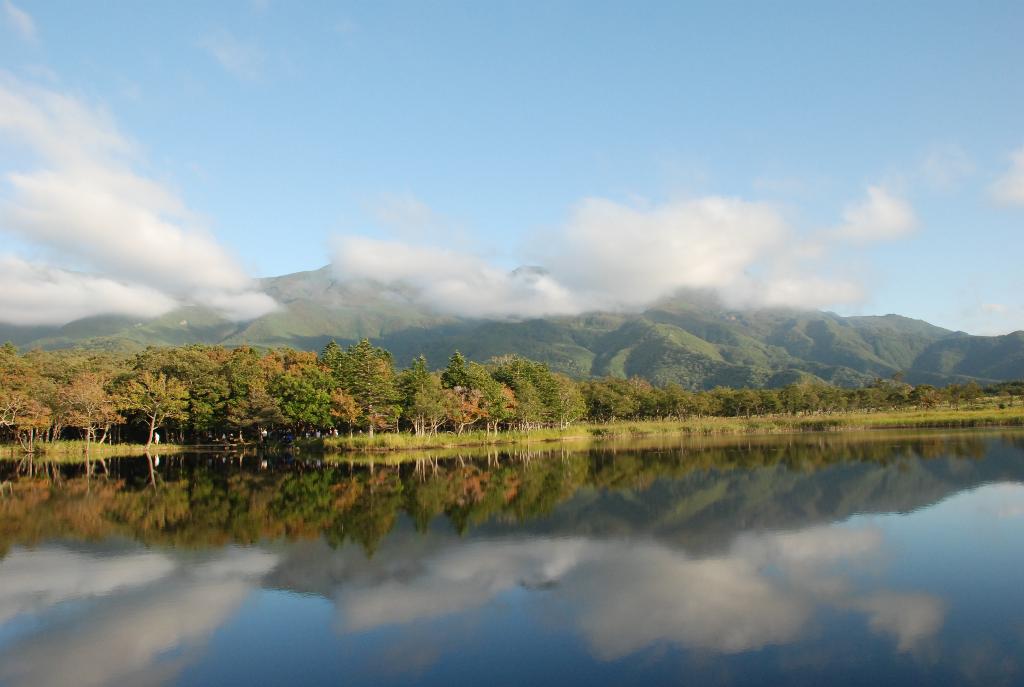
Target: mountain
691,339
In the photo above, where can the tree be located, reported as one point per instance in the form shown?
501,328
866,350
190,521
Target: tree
610,399
303,393
971,392
332,357
456,373
925,396
344,408
564,401
527,380
157,397
464,407
202,369
89,406
423,398
497,401
247,378
258,410
367,375
21,410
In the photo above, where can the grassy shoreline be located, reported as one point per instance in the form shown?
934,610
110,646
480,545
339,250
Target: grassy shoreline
74,451
709,426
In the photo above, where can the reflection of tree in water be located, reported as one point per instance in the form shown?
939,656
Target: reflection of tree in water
202,502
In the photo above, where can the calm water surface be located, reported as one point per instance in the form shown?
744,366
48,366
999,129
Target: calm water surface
842,560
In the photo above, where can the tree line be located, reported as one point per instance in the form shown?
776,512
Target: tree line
198,392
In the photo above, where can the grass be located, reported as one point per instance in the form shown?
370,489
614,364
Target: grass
709,426
74,451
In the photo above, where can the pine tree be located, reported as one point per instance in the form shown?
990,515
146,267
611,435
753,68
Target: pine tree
367,374
456,373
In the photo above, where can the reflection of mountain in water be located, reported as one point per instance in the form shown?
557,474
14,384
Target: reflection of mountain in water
706,509
696,496
724,557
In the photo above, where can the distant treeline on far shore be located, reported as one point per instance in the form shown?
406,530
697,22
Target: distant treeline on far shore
197,393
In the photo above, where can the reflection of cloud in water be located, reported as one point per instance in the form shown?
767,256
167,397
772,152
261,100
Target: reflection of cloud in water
34,580
625,596
126,637
1003,500
649,594
459,579
909,618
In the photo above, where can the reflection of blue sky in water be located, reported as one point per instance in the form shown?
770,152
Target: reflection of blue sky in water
88,616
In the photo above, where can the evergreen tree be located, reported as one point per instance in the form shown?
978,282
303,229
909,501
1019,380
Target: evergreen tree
456,373
367,374
423,399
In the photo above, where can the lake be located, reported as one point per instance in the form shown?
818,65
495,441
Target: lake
880,558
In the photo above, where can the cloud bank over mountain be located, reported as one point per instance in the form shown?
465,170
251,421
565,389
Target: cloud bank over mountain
615,256
72,193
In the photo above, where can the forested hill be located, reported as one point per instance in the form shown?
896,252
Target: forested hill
691,340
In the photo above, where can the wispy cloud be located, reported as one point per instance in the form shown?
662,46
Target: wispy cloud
881,216
239,58
19,20
1009,188
80,199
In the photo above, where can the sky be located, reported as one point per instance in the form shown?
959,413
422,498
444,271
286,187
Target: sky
514,159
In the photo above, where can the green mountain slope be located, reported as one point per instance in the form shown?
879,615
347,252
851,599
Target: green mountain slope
691,339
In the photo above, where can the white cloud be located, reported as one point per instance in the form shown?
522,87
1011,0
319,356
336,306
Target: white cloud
635,255
84,202
1009,188
453,282
239,58
879,217
614,256
35,294
19,20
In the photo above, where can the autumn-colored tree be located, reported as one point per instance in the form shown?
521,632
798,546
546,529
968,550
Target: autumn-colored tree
90,407
157,398
344,409
464,406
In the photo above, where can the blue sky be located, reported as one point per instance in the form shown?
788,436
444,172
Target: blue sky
860,157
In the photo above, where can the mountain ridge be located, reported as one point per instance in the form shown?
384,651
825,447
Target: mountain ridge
690,339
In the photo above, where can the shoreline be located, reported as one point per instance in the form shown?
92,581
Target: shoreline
696,427
385,443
